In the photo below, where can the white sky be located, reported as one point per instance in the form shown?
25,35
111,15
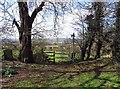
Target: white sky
66,31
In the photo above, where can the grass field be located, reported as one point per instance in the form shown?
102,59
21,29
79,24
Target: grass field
67,75
82,74
82,80
59,57
15,53
1,53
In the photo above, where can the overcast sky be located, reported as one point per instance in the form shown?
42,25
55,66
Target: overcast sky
66,28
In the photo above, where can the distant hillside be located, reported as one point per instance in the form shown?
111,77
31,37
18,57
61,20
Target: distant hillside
5,40
56,39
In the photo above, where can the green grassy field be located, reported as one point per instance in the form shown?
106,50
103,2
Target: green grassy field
83,80
87,79
1,53
15,53
67,75
58,56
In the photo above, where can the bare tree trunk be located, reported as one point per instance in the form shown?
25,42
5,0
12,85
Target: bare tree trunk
83,50
89,37
26,54
99,46
89,48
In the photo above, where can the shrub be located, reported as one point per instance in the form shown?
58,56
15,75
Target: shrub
8,71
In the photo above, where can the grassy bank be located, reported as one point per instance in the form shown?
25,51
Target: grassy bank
72,75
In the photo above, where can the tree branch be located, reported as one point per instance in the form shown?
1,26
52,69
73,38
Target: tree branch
17,25
36,11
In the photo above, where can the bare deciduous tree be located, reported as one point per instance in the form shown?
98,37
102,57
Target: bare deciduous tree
25,28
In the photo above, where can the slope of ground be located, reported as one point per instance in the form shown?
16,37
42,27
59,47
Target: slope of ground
100,73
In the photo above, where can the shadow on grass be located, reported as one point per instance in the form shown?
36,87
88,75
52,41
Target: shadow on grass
83,84
98,71
96,80
77,73
101,84
58,76
106,79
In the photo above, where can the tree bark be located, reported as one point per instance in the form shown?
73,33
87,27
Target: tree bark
89,37
83,50
98,7
99,46
26,54
90,34
89,48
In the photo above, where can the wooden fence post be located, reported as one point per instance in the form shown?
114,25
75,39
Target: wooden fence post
54,56
42,51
